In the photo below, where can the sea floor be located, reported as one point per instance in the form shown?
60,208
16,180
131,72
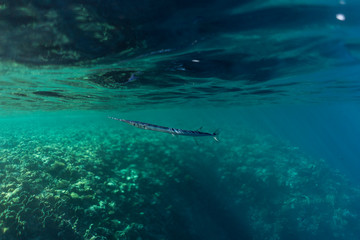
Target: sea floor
74,178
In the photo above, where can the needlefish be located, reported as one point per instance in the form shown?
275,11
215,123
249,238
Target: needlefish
172,131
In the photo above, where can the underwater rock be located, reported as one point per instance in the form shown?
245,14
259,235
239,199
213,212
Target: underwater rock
57,167
74,195
62,184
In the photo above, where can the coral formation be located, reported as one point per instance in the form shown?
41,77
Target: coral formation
94,181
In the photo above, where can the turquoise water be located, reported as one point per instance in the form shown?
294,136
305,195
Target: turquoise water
277,79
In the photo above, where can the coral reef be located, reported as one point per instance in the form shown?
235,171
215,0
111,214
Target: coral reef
96,181
289,195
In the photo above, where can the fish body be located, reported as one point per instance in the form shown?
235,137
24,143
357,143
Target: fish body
173,131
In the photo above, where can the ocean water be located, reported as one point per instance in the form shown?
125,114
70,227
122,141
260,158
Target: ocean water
279,81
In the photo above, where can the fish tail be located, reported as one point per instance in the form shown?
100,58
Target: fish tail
216,135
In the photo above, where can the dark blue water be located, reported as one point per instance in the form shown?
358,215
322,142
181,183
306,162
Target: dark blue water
278,79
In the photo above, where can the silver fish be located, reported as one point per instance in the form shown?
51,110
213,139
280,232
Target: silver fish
173,131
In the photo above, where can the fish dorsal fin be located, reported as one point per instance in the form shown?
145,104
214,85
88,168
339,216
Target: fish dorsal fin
199,129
